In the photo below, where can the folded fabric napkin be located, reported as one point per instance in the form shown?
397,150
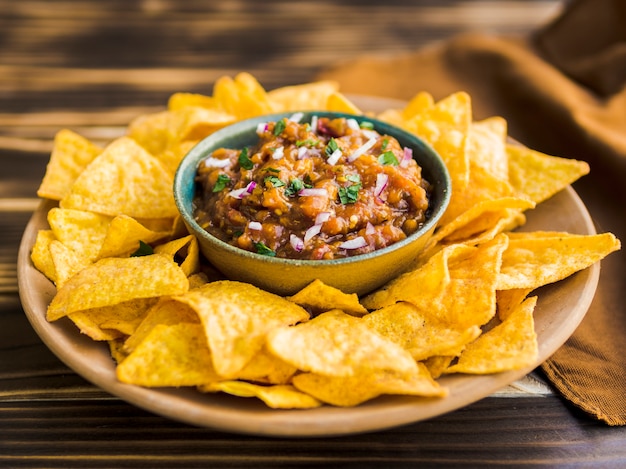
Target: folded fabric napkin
563,92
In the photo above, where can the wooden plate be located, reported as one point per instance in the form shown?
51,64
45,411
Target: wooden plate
560,309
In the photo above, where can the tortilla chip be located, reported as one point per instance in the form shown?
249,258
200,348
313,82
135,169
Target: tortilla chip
70,155
277,397
124,180
317,297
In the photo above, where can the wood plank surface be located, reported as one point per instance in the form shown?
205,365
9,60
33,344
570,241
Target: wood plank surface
92,66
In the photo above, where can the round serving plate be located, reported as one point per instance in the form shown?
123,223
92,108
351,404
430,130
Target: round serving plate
560,309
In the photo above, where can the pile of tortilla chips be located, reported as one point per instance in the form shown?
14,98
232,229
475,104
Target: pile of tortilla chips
128,273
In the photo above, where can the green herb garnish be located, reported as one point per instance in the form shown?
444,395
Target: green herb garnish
366,125
274,181
262,249
383,146
143,250
331,147
244,160
350,194
279,127
309,142
221,183
388,158
295,186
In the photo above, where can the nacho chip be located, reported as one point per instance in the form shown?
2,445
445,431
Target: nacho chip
348,391
535,259
242,97
71,154
267,368
318,297
185,251
456,285
171,355
123,236
510,345
112,281
124,180
538,176
40,254
423,336
112,322
67,262
80,231
165,311
306,97
181,100
487,146
277,397
338,102
237,317
337,344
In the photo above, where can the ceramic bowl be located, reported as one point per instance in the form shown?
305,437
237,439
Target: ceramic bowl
358,274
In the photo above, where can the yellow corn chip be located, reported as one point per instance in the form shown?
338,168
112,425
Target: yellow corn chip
124,180
318,297
112,281
347,391
510,345
71,154
277,397
337,102
337,344
421,335
171,355
307,97
535,259
537,176
237,317
185,251
40,254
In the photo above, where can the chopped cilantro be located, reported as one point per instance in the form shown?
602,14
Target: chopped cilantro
273,170
350,194
388,158
309,142
366,125
295,186
262,249
143,250
274,181
279,127
331,147
244,161
221,183
383,146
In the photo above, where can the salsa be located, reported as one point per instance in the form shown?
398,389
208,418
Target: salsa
327,189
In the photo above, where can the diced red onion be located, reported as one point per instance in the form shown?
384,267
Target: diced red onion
255,225
239,193
334,157
302,152
312,192
296,117
250,187
313,231
381,182
244,191
355,243
314,124
370,229
296,242
278,153
362,149
353,124
370,133
261,128
322,217
407,156
211,162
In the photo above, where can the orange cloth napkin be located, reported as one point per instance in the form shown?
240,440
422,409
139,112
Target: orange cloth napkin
563,92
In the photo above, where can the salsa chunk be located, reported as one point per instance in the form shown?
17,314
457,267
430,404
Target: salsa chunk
327,189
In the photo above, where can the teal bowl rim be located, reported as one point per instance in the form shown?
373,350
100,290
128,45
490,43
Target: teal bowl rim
243,133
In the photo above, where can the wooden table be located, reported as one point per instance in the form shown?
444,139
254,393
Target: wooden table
92,66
